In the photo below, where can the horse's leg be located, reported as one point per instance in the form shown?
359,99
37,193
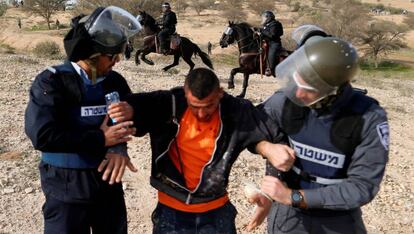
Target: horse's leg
187,59
175,63
144,53
233,72
245,84
137,61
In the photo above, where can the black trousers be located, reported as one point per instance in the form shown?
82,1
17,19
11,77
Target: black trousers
164,37
274,49
78,201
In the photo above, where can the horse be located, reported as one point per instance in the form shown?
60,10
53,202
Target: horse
185,49
249,52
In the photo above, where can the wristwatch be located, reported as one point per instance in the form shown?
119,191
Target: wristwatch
296,197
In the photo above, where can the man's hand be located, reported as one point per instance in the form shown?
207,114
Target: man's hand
263,205
276,189
118,133
280,156
114,165
120,111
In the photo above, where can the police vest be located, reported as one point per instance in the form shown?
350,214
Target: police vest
87,112
323,146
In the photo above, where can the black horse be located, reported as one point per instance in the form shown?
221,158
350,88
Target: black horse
251,61
186,48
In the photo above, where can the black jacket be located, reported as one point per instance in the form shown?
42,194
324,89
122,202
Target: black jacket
169,20
49,124
242,125
272,31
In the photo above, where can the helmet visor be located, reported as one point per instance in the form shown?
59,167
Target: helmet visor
264,18
300,83
113,26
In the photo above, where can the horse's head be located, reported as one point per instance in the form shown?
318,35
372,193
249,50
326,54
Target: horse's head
241,33
147,21
228,36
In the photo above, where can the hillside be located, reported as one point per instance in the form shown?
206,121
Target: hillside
21,197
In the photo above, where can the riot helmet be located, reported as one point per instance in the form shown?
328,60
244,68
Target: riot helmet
105,31
318,69
267,16
166,6
302,33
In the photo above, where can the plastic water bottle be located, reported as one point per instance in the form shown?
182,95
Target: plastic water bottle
112,98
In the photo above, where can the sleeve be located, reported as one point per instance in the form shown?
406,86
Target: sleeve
45,124
256,126
150,109
365,172
274,32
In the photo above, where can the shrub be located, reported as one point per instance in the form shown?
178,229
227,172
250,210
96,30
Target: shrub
47,49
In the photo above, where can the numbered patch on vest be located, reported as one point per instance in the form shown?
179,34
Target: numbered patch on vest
316,155
384,134
87,111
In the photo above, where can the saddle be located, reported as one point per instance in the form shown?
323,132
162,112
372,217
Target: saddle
174,41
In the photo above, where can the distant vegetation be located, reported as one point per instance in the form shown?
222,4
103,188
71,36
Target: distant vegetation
48,49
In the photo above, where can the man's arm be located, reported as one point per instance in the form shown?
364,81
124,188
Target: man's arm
47,130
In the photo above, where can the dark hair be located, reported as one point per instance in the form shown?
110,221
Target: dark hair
202,82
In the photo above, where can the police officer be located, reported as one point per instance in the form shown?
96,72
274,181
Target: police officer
66,120
340,139
271,32
169,20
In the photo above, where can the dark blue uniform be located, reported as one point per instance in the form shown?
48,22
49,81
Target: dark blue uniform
63,121
341,154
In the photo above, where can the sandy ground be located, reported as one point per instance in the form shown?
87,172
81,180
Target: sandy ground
21,197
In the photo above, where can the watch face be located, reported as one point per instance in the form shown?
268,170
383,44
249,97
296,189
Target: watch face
296,197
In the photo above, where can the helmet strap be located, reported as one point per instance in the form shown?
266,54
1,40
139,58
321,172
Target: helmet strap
92,62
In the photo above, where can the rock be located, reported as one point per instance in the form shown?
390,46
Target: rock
8,190
28,190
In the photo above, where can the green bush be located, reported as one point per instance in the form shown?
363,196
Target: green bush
3,8
48,49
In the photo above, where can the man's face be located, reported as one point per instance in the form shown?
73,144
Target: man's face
106,62
164,9
306,93
204,109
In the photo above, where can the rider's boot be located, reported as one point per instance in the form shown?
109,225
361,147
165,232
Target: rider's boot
268,71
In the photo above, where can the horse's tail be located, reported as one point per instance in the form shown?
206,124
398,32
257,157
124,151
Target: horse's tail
204,56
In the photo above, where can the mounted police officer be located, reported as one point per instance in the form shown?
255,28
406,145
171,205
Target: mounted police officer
169,20
271,32
66,120
340,138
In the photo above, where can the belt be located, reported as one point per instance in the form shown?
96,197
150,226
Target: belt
320,180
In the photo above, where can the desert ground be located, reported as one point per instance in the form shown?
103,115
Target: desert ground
392,211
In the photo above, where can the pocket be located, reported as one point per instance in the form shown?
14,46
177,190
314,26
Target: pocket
50,210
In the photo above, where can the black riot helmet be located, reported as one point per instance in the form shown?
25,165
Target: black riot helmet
105,31
267,16
304,32
166,5
321,66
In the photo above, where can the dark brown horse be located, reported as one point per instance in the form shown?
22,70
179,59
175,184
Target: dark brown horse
186,49
249,58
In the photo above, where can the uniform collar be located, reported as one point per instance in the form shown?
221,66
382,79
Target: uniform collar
82,73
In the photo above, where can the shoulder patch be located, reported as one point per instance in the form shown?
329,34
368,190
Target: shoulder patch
51,69
383,131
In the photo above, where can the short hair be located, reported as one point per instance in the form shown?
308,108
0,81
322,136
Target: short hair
202,82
